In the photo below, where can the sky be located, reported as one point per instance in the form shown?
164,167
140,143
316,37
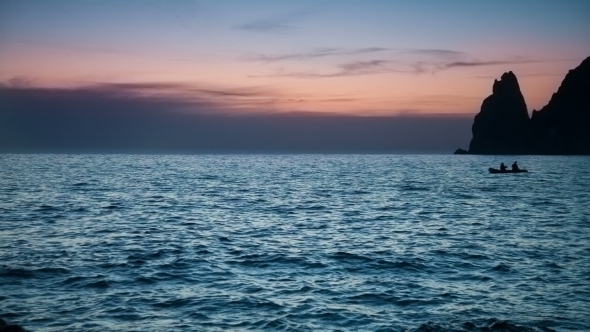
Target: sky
420,61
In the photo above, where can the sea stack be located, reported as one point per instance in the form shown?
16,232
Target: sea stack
502,126
563,125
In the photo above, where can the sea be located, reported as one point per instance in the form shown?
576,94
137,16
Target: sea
294,242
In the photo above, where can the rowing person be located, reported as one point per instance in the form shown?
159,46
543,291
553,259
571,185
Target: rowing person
515,167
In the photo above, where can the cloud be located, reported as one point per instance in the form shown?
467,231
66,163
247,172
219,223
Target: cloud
185,90
337,100
397,60
20,82
360,66
332,52
384,66
93,119
441,53
159,97
437,66
317,53
143,97
180,117
274,24
442,101
355,68
489,77
477,63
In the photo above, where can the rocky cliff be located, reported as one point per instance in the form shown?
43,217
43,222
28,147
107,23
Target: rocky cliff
562,127
503,125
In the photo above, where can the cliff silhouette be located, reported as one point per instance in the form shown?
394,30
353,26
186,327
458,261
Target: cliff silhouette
563,125
503,125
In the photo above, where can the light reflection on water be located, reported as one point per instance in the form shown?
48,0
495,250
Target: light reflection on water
293,242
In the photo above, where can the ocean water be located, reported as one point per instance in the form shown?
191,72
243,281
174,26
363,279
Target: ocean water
294,243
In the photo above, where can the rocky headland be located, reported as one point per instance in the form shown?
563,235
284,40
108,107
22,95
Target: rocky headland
503,125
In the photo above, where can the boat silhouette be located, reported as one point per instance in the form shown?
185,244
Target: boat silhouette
496,171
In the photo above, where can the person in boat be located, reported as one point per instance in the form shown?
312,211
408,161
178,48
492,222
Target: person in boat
515,167
503,167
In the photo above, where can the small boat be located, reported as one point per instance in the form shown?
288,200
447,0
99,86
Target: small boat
496,171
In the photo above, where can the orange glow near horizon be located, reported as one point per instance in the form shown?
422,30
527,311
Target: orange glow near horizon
289,87
266,56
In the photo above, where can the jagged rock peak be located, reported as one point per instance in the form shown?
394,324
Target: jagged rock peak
508,82
502,125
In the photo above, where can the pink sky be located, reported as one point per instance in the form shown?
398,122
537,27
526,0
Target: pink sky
336,58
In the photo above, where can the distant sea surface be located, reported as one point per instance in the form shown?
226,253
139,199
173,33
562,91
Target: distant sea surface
294,243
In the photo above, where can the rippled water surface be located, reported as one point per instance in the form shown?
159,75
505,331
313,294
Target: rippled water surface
293,242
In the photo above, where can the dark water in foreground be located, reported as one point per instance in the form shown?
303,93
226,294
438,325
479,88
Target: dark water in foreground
294,242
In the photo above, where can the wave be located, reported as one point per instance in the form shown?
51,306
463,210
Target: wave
276,260
48,208
15,272
289,322
501,268
413,188
194,244
489,325
378,263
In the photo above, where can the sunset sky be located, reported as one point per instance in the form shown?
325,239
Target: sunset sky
385,58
